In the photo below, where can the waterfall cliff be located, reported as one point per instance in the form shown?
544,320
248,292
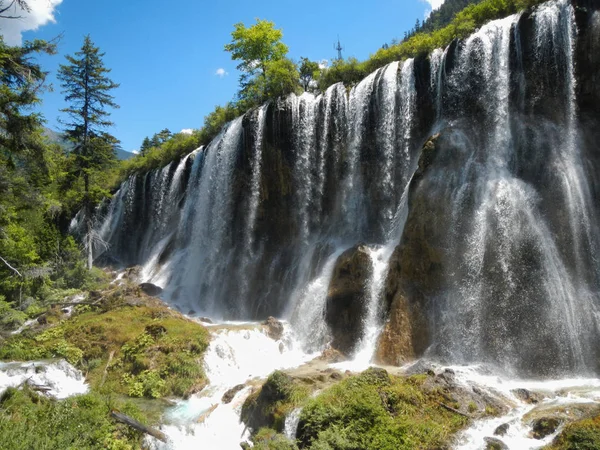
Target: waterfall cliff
481,243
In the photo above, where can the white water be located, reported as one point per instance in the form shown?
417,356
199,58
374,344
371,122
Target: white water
62,378
558,392
372,324
237,354
309,308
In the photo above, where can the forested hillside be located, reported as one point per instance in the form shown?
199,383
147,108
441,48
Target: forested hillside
445,13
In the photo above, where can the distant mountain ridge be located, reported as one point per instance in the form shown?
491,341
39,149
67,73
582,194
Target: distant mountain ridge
59,138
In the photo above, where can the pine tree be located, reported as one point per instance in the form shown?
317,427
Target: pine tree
146,145
87,91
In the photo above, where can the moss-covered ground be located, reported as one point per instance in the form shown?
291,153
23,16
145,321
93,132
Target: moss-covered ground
133,351
579,435
372,410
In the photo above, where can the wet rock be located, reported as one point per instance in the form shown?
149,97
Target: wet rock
415,270
132,273
331,355
527,396
206,320
492,443
262,408
545,426
501,430
151,289
228,396
274,328
346,304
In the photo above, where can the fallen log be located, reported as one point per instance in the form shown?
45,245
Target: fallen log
455,411
205,415
138,426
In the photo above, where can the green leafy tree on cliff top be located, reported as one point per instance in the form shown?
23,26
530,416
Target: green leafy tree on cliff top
266,72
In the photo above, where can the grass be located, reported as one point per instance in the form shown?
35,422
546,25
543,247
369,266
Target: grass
155,352
374,410
31,421
580,435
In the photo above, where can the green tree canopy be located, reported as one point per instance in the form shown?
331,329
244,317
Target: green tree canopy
309,71
255,46
266,72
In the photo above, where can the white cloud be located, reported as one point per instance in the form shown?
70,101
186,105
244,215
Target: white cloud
42,12
323,64
187,131
434,4
135,152
221,72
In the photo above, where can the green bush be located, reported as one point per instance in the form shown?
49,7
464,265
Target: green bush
30,421
374,410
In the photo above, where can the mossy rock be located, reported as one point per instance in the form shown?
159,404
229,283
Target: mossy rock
269,406
376,410
580,435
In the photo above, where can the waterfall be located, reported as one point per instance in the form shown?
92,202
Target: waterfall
495,231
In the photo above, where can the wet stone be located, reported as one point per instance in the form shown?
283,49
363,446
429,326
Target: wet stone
501,430
492,443
230,394
545,426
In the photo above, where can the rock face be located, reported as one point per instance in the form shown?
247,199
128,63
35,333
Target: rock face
415,271
151,289
274,328
492,443
346,298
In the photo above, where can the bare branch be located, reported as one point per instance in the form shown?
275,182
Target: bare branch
10,267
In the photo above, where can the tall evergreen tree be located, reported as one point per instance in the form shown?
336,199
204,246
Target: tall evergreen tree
87,90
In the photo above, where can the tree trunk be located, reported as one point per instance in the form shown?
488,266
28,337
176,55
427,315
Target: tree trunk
89,223
139,426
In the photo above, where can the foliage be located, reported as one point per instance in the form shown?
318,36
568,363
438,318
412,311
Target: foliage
156,141
156,352
87,89
464,23
22,80
266,72
374,410
580,435
269,406
309,72
29,420
269,439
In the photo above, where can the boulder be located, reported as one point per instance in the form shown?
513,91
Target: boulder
274,328
527,396
228,396
492,443
206,320
331,355
346,303
151,289
501,430
545,426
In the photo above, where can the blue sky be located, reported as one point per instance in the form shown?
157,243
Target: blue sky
169,57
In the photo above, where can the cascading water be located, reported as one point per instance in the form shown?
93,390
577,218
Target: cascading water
501,217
